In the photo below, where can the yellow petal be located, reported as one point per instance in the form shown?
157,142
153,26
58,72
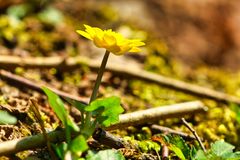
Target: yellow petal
114,49
123,42
109,30
125,48
97,31
89,30
84,34
97,40
87,26
135,49
137,43
109,40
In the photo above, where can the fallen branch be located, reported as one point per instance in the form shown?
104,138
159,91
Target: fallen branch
157,128
154,114
134,118
21,81
36,141
108,139
9,62
194,133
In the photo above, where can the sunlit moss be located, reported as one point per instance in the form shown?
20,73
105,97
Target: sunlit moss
19,70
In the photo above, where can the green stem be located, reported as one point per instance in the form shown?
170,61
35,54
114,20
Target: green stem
99,77
87,123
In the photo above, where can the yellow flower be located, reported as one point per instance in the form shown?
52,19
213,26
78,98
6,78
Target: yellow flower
110,40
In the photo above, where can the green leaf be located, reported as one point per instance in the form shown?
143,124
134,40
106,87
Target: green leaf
87,130
78,145
57,105
220,148
236,109
231,156
72,124
60,149
79,105
181,144
193,152
106,111
177,151
105,155
6,118
200,155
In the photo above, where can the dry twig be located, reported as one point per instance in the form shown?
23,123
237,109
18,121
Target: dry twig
21,81
154,114
194,133
62,63
165,152
167,130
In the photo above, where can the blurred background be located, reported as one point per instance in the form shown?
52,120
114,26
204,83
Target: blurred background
202,32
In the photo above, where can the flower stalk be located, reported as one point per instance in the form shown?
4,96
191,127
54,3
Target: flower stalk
95,91
99,76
